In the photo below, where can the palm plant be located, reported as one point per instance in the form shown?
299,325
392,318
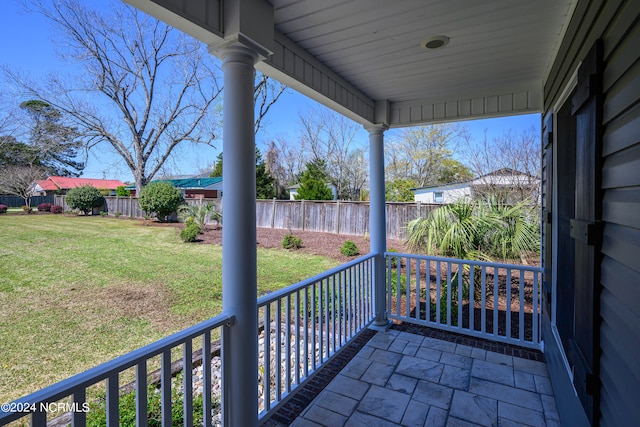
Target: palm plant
451,230
516,235
476,231
196,213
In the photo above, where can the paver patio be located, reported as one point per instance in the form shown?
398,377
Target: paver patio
400,378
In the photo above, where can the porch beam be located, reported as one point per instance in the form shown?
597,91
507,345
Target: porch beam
239,271
377,221
494,102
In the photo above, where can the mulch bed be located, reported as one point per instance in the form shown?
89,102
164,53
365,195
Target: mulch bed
328,245
313,243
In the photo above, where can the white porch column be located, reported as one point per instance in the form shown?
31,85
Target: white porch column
377,221
239,271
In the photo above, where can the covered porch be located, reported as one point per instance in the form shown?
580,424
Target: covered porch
417,376
395,64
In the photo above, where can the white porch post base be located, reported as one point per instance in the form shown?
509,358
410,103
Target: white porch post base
377,222
239,271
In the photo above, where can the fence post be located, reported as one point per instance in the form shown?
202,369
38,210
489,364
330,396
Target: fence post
273,213
419,206
302,216
130,206
337,216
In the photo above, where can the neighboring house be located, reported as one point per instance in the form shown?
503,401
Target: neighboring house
515,185
441,194
62,184
293,191
193,188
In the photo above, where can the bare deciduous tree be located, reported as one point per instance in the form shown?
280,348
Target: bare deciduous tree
19,181
518,152
265,93
417,153
357,173
8,122
285,160
146,87
331,137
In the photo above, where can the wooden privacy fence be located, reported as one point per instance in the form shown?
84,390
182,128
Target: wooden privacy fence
129,206
340,217
16,202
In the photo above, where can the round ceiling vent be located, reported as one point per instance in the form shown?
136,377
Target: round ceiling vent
435,42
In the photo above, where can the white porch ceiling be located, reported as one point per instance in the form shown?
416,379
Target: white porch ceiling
375,44
363,57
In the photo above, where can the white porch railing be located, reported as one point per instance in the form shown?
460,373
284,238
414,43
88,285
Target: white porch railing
305,324
302,327
499,302
71,395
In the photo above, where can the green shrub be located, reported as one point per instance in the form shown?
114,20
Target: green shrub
394,284
104,213
291,242
161,198
349,249
117,214
122,192
190,232
394,259
84,198
96,416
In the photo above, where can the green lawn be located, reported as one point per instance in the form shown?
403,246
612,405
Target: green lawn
78,291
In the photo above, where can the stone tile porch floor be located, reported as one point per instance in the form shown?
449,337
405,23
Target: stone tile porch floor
400,378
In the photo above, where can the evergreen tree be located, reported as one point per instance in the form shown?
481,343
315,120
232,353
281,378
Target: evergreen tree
15,153
265,183
312,182
57,145
217,169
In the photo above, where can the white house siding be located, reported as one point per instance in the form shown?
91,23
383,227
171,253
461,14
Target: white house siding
449,195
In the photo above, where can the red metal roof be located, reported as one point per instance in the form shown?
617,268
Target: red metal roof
64,183
47,185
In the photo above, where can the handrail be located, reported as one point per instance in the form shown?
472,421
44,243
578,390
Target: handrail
272,296
467,261
448,293
106,370
306,324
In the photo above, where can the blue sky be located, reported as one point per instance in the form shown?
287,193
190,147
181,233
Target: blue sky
27,45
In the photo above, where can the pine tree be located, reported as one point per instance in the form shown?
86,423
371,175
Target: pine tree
312,182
